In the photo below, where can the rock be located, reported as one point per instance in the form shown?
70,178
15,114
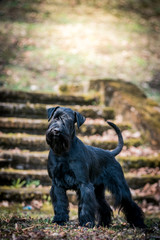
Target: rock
130,101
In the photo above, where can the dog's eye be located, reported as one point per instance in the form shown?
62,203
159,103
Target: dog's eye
62,120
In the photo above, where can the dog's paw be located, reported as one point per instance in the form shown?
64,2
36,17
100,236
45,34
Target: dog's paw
105,222
60,219
103,225
139,225
88,224
61,223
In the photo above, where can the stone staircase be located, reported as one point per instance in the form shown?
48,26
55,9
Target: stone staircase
23,149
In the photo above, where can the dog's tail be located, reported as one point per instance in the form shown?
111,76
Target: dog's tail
119,147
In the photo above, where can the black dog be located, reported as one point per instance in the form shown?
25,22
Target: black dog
87,170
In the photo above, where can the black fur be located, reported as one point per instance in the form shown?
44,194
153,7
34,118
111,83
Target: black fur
87,170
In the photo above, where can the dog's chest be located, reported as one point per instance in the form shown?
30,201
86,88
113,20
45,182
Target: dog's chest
64,176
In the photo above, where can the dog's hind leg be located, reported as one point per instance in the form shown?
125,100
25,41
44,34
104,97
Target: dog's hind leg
116,184
104,210
133,213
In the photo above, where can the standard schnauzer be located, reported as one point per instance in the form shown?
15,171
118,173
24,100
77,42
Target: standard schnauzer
87,170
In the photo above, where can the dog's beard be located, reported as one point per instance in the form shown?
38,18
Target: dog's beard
59,144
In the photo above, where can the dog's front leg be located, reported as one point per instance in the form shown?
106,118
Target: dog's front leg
87,205
60,205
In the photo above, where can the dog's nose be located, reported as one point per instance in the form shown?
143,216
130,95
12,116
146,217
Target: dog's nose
56,131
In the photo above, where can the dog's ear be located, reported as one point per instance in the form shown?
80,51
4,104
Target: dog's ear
79,119
51,111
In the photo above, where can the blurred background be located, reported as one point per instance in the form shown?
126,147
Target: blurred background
49,42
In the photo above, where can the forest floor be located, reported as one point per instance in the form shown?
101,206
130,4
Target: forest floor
18,224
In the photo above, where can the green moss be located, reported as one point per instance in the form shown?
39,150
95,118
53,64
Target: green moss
150,119
133,104
112,85
137,162
95,112
71,97
91,129
23,141
33,126
106,144
71,88
134,142
35,142
39,110
151,102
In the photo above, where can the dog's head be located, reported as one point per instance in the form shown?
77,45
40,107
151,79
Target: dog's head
61,129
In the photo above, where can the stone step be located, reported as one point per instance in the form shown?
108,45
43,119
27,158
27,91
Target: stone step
39,126
23,194
38,142
30,110
23,159
5,162
7,95
8,175
139,161
42,193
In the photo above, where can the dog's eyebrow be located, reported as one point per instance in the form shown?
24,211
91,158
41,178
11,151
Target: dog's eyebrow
60,114
57,114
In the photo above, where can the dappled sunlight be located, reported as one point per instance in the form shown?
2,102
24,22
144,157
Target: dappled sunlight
59,42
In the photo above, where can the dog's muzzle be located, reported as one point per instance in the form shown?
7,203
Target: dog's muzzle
58,141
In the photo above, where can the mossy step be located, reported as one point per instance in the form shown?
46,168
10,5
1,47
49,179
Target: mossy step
23,193
20,194
23,159
135,181
139,161
39,126
42,193
47,98
30,110
38,142
110,144
5,162
8,175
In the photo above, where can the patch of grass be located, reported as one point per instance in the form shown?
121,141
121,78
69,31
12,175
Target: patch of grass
31,183
18,183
